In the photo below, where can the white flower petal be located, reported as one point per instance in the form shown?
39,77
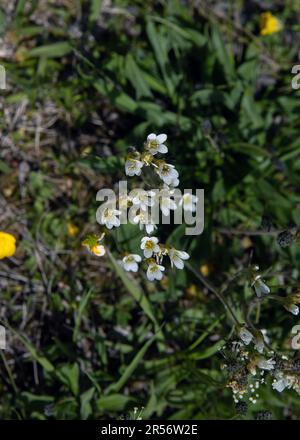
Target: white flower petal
161,138
148,253
178,263
151,137
279,385
183,255
163,149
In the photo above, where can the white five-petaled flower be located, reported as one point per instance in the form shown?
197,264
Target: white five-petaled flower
245,335
166,202
150,246
143,221
260,287
189,202
177,257
109,218
168,173
155,143
130,262
155,271
133,167
143,199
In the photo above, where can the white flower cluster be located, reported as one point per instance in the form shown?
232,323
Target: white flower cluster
143,200
244,385
154,144
154,252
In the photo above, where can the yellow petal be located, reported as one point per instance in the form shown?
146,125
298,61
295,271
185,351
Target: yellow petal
7,245
269,24
98,250
72,229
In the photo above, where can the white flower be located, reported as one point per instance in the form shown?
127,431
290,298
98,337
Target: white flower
166,203
245,335
282,381
150,246
124,202
280,384
260,287
98,250
130,262
150,227
176,258
259,344
109,218
189,202
260,339
167,173
142,219
266,364
133,167
292,308
154,271
143,199
155,144
174,182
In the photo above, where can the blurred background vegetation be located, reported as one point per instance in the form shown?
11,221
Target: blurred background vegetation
85,80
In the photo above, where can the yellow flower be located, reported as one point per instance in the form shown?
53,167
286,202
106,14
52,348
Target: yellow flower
269,24
7,245
205,269
72,229
192,290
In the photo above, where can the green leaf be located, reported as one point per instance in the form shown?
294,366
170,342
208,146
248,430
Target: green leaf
82,307
33,351
85,403
120,99
130,368
55,50
206,333
251,108
208,352
114,402
96,6
69,375
136,77
225,57
159,44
